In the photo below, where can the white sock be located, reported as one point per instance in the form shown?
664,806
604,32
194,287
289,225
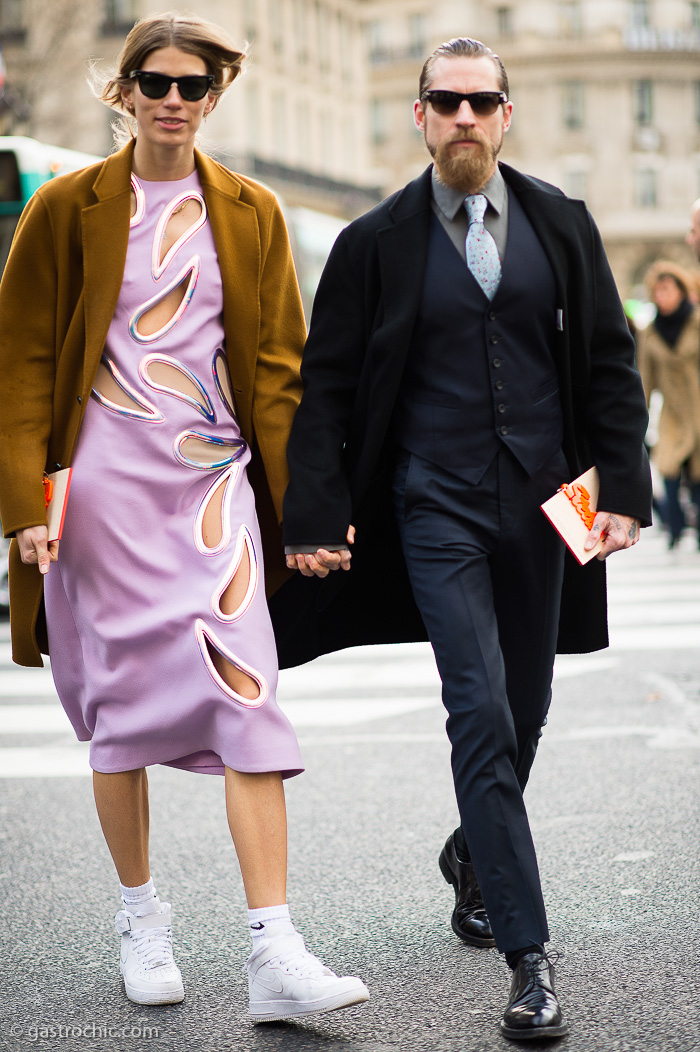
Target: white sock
260,920
141,900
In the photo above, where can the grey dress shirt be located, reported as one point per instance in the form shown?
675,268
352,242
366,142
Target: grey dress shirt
448,206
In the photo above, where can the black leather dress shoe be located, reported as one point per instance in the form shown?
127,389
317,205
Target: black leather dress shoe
469,920
533,1012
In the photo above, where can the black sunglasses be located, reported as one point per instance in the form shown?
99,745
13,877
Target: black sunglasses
483,103
157,85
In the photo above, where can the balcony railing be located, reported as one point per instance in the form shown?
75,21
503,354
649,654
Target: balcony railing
647,38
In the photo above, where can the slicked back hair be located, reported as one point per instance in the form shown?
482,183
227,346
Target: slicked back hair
461,47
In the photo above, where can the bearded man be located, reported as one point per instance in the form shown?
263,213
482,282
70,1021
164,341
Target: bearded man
467,355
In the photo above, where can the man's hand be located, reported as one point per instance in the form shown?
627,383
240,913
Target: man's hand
620,532
320,562
34,547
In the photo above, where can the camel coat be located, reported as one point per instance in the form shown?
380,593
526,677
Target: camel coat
675,372
57,298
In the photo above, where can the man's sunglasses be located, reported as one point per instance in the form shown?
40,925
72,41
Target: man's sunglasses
483,103
157,85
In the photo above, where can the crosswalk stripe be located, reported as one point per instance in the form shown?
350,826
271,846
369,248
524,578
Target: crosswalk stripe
654,605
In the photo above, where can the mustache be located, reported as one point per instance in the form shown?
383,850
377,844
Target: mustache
467,137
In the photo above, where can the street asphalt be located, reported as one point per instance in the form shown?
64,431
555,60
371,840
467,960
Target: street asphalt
613,803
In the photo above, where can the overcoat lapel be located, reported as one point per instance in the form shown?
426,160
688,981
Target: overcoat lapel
105,237
402,250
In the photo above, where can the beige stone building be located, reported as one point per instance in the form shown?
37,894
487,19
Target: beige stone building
606,94
606,105
295,119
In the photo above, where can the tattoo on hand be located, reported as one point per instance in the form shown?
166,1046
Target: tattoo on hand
632,531
614,521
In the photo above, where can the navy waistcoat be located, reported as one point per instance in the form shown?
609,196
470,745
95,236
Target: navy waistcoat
477,373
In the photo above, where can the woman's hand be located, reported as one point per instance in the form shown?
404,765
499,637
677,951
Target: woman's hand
34,547
320,562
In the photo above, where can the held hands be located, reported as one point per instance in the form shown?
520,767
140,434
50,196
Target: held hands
620,532
320,562
34,547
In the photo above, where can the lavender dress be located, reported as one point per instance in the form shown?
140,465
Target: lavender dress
158,593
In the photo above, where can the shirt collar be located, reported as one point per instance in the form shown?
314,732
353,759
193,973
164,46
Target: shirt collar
450,201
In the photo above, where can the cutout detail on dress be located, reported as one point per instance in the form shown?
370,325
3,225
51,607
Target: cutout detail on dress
166,374
223,666
207,452
171,213
237,589
114,392
171,302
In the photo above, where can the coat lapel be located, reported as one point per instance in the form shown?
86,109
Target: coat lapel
105,236
402,249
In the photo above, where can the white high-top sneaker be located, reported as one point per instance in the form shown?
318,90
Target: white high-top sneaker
150,974
286,981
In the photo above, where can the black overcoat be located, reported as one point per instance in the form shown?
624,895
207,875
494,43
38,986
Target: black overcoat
340,448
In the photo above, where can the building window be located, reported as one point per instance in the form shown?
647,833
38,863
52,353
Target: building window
11,19
119,16
573,104
696,89
253,97
377,43
417,35
274,11
250,20
504,21
571,18
280,125
377,121
300,31
346,33
642,102
645,188
323,26
695,16
639,14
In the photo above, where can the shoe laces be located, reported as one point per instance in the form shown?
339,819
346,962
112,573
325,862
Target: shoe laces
153,946
296,960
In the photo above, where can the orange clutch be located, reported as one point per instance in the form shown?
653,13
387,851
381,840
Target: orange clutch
572,510
56,489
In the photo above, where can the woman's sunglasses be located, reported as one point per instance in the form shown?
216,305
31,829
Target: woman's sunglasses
483,103
157,85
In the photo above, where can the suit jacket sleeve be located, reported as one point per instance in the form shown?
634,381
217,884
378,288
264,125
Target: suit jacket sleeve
317,506
28,296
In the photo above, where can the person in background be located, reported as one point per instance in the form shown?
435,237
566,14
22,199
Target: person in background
668,354
150,337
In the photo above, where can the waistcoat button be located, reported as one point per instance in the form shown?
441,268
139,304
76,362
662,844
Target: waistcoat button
503,430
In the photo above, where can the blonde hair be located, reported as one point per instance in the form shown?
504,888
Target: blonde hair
189,33
666,268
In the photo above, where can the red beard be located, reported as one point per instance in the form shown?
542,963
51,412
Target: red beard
467,170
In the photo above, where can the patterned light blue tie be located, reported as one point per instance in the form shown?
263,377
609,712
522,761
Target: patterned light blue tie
482,254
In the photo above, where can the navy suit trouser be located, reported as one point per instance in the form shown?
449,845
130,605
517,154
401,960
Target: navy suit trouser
486,571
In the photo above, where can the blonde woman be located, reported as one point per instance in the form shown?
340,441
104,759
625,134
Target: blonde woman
150,338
